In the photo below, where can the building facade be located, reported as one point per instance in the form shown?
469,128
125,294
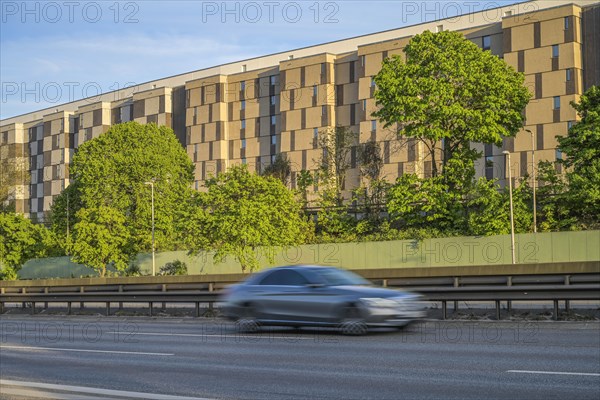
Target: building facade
250,111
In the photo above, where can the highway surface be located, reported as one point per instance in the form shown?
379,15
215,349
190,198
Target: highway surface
158,358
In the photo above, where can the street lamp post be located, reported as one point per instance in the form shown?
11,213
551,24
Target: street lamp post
534,182
512,220
151,183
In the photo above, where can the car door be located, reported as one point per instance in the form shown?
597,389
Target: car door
279,294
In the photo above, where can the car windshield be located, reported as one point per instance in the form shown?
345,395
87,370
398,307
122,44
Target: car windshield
336,277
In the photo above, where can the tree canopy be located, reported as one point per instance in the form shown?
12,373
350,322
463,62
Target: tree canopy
582,149
448,93
111,179
242,211
20,241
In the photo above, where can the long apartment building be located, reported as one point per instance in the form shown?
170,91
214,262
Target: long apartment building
249,111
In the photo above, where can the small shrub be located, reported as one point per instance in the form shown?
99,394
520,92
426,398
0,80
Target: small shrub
173,268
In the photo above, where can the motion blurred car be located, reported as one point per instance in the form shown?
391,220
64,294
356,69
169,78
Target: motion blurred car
306,295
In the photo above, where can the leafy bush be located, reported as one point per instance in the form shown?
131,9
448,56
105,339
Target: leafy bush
173,268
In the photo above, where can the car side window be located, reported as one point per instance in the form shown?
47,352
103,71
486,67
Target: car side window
284,277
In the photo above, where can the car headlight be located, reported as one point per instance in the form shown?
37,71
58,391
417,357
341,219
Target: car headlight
379,302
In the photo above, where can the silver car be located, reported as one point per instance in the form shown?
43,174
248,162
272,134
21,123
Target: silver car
306,295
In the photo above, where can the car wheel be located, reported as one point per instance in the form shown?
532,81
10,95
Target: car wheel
247,322
353,323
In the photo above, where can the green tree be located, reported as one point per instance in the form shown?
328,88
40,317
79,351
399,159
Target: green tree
489,207
102,239
334,162
13,172
114,170
20,241
371,195
582,148
242,211
449,93
305,180
553,209
281,169
421,203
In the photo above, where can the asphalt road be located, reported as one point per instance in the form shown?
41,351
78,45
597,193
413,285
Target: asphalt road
92,358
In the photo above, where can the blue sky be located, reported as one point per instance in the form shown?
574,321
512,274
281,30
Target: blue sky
53,52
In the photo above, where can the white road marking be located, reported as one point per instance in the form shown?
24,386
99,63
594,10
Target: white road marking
83,350
92,391
553,373
252,335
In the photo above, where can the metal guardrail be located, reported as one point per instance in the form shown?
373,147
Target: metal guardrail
443,294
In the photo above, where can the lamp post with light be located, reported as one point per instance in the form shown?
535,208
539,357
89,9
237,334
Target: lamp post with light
512,220
533,179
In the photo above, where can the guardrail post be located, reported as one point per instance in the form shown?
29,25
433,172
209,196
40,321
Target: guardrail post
68,308
444,309
120,303
107,308
197,309
150,307
81,290
164,304
33,308
1,307
24,291
384,283
498,310
567,302
456,284
46,303
211,286
509,302
555,311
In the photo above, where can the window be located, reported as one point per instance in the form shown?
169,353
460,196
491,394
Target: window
273,120
567,23
272,100
242,86
243,105
558,154
5,137
557,102
273,159
373,84
507,13
364,104
273,139
569,75
272,80
487,42
197,185
555,51
373,125
284,277
243,67
243,144
315,91
243,122
315,133
439,28
244,161
362,60
323,110
291,57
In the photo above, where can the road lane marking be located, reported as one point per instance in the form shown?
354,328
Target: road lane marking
94,391
252,335
84,350
553,373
